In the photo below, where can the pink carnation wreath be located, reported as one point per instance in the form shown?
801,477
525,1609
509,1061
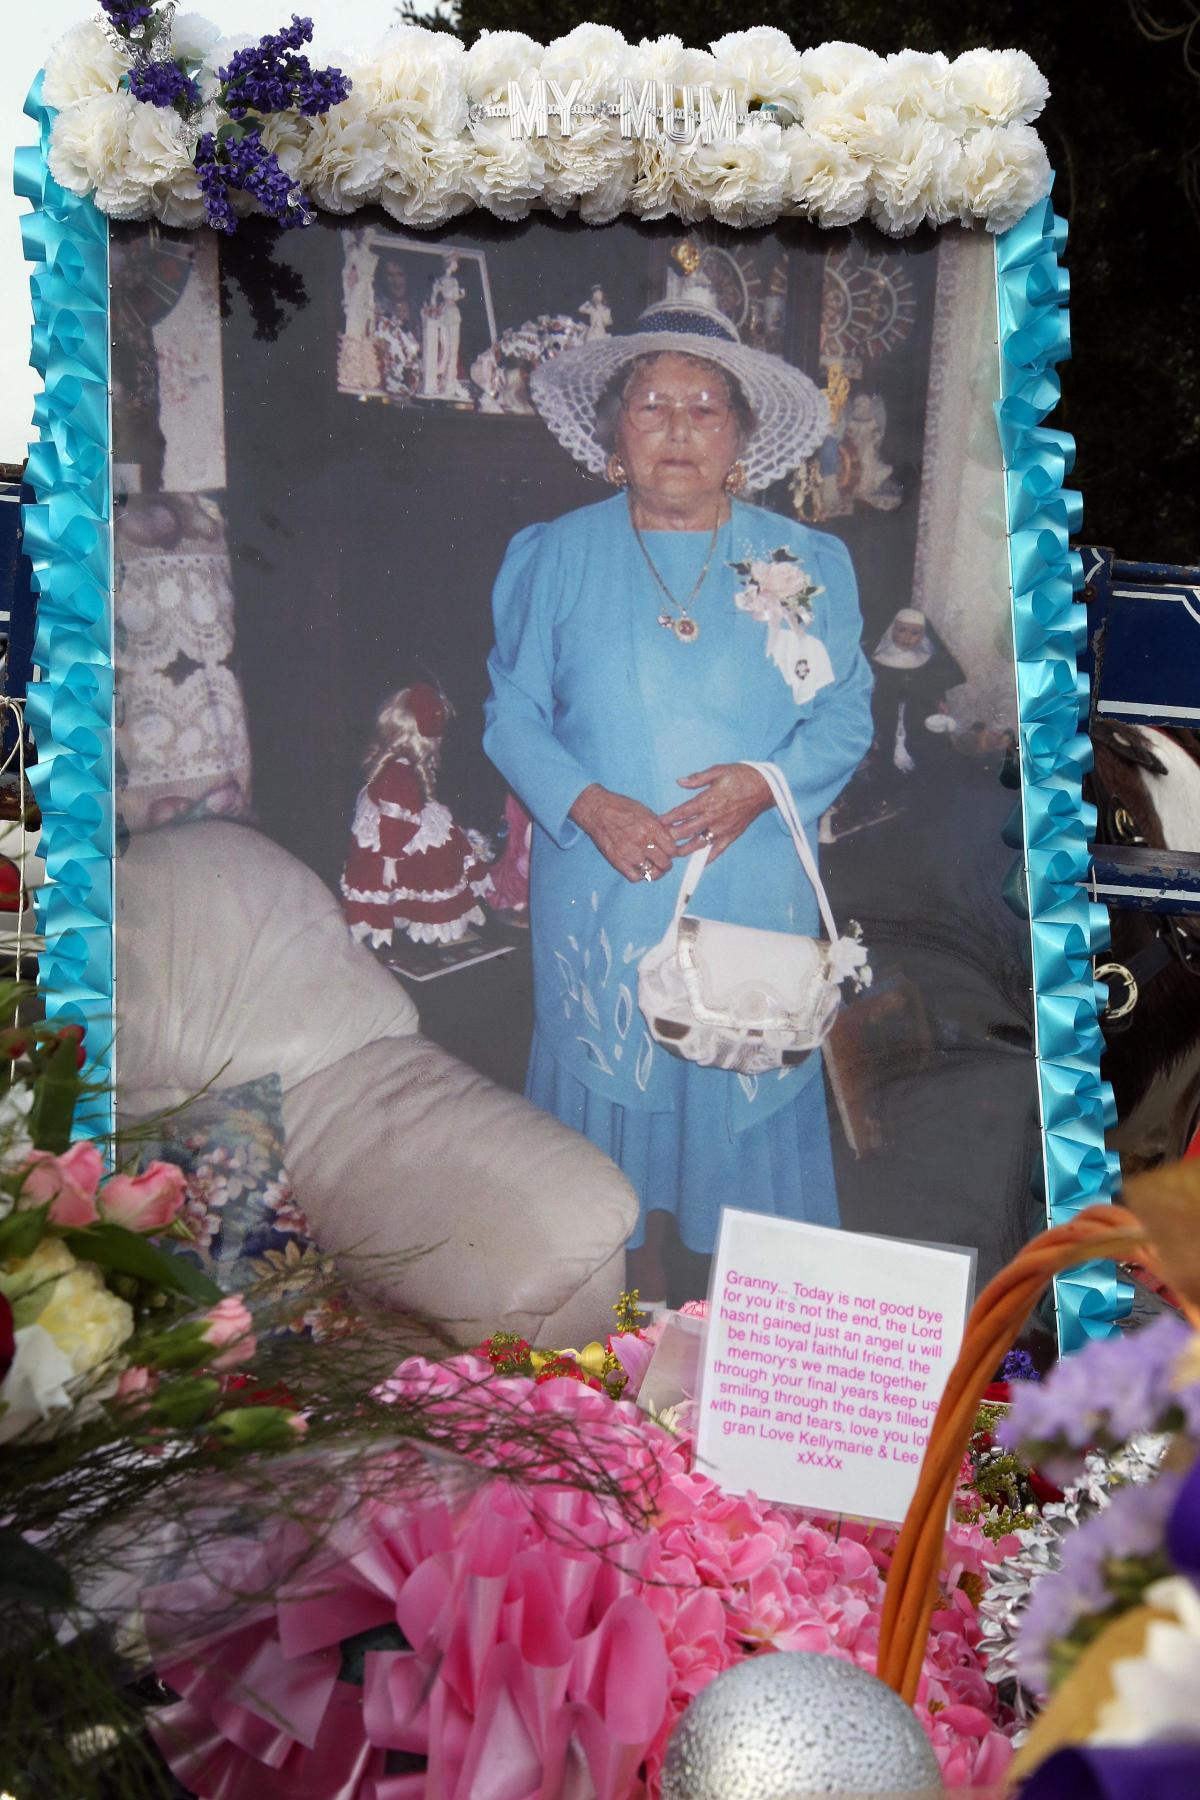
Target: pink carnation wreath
548,1645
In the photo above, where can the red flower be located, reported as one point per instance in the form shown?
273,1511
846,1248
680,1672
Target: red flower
565,1368
253,1392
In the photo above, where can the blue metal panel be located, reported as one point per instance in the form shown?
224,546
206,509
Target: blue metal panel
1143,640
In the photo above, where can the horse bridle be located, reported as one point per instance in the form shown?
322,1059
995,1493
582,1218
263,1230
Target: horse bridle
1172,942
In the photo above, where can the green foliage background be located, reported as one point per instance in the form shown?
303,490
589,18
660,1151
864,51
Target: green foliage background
1122,130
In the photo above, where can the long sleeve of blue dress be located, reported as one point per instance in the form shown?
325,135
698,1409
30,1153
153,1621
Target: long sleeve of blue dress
519,716
822,751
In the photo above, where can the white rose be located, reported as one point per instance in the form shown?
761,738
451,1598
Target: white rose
1004,171
828,183
416,75
495,59
425,177
343,158
669,59
828,68
505,175
761,64
89,146
595,55
36,1383
999,87
916,177
192,36
81,65
742,181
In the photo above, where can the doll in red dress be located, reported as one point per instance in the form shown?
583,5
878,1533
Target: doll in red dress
409,865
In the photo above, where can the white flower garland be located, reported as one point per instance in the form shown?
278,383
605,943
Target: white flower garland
903,140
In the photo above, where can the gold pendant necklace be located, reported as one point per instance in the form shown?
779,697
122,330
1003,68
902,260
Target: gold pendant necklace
684,626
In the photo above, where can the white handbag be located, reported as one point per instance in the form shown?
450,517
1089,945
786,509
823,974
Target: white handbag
736,997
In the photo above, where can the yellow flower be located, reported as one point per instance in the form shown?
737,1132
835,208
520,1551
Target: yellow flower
69,1300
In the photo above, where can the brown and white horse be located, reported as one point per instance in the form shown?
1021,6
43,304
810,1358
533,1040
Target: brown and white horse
1146,787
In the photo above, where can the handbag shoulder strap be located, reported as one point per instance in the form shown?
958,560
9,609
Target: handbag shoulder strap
774,777
782,795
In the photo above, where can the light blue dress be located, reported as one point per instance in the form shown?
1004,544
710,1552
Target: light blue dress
587,687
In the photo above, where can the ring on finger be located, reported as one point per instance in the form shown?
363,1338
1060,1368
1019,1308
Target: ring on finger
708,835
646,869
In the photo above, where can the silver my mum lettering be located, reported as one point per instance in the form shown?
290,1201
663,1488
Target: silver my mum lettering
645,109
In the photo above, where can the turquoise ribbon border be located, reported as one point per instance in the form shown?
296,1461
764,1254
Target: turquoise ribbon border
1049,629
68,538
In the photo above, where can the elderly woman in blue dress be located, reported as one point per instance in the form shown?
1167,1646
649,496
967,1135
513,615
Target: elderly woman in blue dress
646,647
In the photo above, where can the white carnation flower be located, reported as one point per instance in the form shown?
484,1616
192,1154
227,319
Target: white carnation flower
610,196
827,182
505,175
416,75
425,178
595,55
916,177
761,65
160,159
918,83
589,160
285,135
193,36
81,65
660,186
495,59
999,87
858,115
216,58
1004,171
669,59
89,145
829,68
343,157
742,181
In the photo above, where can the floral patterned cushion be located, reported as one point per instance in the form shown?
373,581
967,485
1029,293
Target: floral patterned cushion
241,1209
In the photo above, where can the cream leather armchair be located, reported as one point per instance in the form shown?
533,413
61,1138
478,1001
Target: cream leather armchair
232,956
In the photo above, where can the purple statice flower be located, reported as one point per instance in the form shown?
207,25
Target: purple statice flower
1105,1568
127,15
246,163
272,76
1018,1365
163,84
1108,1392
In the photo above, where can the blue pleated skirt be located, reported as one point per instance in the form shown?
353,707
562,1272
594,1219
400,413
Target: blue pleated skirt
688,1163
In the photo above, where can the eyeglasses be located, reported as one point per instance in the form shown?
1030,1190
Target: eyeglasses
652,411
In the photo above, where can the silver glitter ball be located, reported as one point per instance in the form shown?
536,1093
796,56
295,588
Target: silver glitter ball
788,1725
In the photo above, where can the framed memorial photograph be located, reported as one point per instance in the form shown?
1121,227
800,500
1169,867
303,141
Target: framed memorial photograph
579,693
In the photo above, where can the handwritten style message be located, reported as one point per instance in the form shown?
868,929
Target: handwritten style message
826,1357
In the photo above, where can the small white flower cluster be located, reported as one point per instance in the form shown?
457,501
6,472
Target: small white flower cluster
836,133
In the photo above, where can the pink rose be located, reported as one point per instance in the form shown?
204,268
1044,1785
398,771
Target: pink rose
146,1202
781,580
136,1384
227,1328
68,1182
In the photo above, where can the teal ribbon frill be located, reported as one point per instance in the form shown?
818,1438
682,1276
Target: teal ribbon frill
69,542
1050,629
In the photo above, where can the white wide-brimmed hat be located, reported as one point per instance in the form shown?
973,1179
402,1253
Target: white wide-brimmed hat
791,413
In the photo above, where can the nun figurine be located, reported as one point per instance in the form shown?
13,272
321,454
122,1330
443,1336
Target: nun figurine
913,672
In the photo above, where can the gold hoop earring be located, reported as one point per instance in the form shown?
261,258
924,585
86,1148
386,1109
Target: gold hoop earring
735,481
614,469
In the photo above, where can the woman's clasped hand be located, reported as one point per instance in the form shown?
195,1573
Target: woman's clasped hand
642,846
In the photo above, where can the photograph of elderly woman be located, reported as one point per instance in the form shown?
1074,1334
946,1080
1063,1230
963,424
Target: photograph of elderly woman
617,623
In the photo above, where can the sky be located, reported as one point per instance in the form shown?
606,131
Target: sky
27,29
